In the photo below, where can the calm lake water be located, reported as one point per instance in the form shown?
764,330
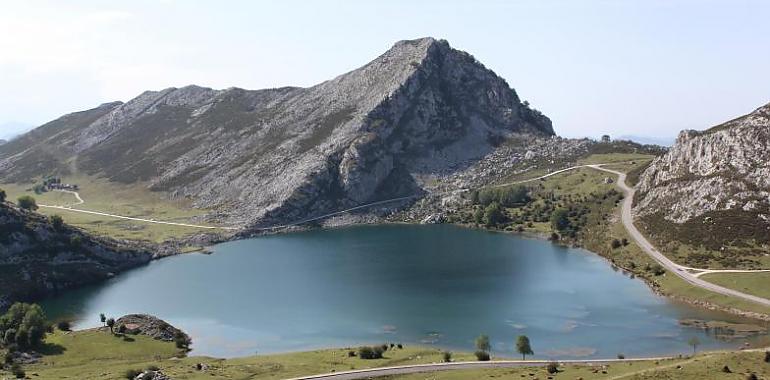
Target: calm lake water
439,285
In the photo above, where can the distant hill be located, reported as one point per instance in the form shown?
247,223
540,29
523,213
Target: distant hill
713,187
649,140
422,108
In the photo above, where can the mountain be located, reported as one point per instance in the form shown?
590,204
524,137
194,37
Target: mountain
38,257
280,154
647,140
714,185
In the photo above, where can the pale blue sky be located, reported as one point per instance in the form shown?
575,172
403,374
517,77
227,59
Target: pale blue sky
646,68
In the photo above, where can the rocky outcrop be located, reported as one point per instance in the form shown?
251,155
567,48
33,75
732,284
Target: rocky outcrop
39,258
725,168
156,328
279,155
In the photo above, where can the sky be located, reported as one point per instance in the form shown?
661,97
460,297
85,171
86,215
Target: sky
642,68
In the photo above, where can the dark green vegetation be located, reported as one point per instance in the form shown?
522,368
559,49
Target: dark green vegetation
43,255
483,346
718,239
23,327
523,347
27,202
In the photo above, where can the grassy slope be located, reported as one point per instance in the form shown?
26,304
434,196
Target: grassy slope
95,354
110,197
753,283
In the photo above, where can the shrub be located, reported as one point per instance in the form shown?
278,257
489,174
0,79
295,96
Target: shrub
615,244
726,369
153,368
2,195
482,356
447,356
57,222
767,356
624,241
400,346
64,325
621,356
27,202
552,367
132,373
384,347
752,376
493,214
351,353
8,357
76,241
181,340
122,329
17,371
367,352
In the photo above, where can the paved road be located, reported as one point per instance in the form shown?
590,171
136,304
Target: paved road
418,368
679,270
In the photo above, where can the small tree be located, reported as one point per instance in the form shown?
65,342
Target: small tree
523,347
560,219
2,195
111,324
103,319
57,222
482,343
694,342
122,329
767,356
552,367
64,325
17,371
27,202
447,356
615,244
482,356
493,214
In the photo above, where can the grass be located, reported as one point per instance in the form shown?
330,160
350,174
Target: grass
704,366
757,284
96,354
114,198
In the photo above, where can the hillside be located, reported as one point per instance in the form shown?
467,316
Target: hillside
38,257
258,157
711,191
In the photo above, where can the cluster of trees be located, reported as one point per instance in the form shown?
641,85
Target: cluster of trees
23,326
27,202
509,196
484,347
374,352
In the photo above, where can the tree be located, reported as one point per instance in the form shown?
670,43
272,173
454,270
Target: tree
560,219
111,324
182,341
767,356
478,215
493,214
27,202
694,342
57,222
103,318
23,324
2,195
64,325
523,347
447,356
482,343
615,244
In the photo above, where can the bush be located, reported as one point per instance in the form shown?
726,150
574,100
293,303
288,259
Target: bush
181,340
554,236
493,214
17,371
752,376
27,202
76,241
615,244
64,325
560,220
351,353
367,352
384,347
153,368
767,356
726,369
132,373
447,356
621,356
400,346
2,195
57,222
482,356
552,367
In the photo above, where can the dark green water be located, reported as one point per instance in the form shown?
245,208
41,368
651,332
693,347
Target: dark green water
439,285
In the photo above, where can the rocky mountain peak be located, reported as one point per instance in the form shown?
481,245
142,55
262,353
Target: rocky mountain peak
273,155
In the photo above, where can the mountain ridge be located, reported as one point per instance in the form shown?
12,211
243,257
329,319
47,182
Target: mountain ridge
267,155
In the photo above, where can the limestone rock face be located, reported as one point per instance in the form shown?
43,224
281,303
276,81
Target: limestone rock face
270,156
724,168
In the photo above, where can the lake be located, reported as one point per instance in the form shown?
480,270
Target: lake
432,285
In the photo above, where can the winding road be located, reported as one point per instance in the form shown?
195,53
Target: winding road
681,271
